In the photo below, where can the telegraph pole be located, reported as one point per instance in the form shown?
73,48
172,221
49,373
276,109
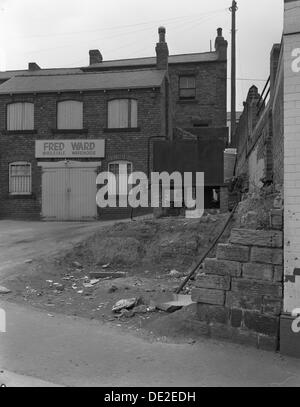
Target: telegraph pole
233,10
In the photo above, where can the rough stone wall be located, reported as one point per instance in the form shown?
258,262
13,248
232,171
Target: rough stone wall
239,293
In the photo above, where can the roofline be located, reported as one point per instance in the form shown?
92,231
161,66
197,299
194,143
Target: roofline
78,90
115,60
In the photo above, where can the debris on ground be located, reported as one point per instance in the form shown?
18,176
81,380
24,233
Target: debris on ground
112,289
77,265
175,273
107,274
144,259
4,290
124,304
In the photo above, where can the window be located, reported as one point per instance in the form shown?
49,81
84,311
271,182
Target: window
20,178
70,115
122,113
121,170
20,116
187,87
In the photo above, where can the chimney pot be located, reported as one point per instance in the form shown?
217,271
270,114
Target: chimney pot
162,51
221,45
162,34
33,66
95,56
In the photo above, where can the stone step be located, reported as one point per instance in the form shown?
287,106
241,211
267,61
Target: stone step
261,238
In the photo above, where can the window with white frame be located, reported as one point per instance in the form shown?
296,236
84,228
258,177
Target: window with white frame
20,116
121,170
20,178
122,113
70,115
187,87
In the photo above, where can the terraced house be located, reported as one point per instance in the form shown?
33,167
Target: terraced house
60,127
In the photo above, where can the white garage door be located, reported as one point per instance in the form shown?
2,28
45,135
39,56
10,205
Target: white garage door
69,191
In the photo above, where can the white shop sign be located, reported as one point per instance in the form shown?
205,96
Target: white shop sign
69,148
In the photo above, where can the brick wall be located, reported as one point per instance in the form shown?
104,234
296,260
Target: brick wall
210,103
131,146
260,131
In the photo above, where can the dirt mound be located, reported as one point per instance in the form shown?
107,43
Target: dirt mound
152,244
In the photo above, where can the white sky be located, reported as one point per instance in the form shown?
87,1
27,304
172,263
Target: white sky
59,33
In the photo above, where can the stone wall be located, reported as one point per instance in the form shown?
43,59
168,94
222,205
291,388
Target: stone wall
239,293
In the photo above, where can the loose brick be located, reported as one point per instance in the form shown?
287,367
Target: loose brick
251,237
236,317
278,273
258,271
266,255
256,287
211,281
264,324
276,219
222,267
207,296
212,313
243,301
232,252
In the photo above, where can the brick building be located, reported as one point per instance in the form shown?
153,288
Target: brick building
60,127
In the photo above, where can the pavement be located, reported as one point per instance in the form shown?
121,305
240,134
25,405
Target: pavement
72,351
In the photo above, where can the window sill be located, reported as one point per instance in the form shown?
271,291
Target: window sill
190,101
21,196
7,132
122,130
70,131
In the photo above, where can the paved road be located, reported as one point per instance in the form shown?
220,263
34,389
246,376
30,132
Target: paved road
21,240
78,352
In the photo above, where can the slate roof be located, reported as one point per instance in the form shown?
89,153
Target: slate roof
83,81
151,61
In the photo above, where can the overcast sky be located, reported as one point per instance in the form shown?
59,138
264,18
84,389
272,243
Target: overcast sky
59,33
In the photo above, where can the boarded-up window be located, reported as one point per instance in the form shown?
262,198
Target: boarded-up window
122,113
70,115
187,87
20,116
20,178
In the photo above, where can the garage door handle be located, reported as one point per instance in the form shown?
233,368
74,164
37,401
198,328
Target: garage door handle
68,190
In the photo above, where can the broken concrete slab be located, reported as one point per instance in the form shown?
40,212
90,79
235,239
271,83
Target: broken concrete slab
124,304
4,290
179,301
107,274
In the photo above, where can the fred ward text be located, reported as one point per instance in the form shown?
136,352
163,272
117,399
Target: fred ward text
69,148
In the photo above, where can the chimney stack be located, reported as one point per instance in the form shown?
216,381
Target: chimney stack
95,56
162,51
221,45
33,66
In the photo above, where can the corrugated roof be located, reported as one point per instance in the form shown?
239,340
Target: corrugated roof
83,81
